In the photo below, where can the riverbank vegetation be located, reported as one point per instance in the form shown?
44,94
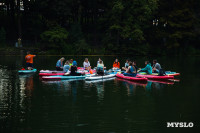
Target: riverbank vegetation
136,27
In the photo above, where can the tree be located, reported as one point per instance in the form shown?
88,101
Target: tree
127,22
180,19
55,38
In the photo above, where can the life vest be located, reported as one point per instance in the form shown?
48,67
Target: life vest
116,64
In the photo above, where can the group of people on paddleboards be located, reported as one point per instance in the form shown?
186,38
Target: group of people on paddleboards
130,68
156,68
70,66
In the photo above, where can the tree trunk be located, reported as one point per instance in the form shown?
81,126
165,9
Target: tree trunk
25,4
12,8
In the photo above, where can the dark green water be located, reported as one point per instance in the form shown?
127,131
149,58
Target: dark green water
30,105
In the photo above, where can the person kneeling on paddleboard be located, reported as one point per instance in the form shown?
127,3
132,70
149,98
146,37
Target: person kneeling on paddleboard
29,60
147,69
131,71
59,64
73,69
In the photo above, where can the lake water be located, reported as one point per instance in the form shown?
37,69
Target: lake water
30,105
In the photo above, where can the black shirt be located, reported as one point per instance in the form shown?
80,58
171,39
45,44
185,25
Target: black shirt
73,70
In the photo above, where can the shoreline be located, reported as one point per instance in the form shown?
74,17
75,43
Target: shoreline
13,51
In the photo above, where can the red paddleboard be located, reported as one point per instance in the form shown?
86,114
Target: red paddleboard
174,74
141,79
155,77
50,74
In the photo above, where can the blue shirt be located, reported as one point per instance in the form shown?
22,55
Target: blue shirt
66,68
131,69
147,69
59,64
100,66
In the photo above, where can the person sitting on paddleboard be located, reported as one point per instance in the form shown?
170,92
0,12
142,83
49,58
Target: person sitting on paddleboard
147,69
99,61
100,68
29,60
156,67
134,64
116,64
59,64
73,69
70,62
66,67
131,71
86,64
126,65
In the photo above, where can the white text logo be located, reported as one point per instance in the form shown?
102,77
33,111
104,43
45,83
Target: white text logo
179,124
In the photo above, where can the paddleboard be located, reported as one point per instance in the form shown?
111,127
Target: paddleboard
155,77
96,77
27,71
131,78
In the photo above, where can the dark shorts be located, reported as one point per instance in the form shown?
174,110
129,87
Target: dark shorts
100,71
29,65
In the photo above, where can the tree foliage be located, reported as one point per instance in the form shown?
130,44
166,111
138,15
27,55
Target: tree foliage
107,27
55,37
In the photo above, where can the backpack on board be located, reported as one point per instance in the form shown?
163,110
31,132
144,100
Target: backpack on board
162,72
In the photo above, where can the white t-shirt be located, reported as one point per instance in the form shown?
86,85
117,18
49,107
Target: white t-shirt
86,64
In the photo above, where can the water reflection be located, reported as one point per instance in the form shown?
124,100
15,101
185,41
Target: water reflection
29,105
70,87
151,84
26,87
4,93
64,87
99,85
131,85
15,93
